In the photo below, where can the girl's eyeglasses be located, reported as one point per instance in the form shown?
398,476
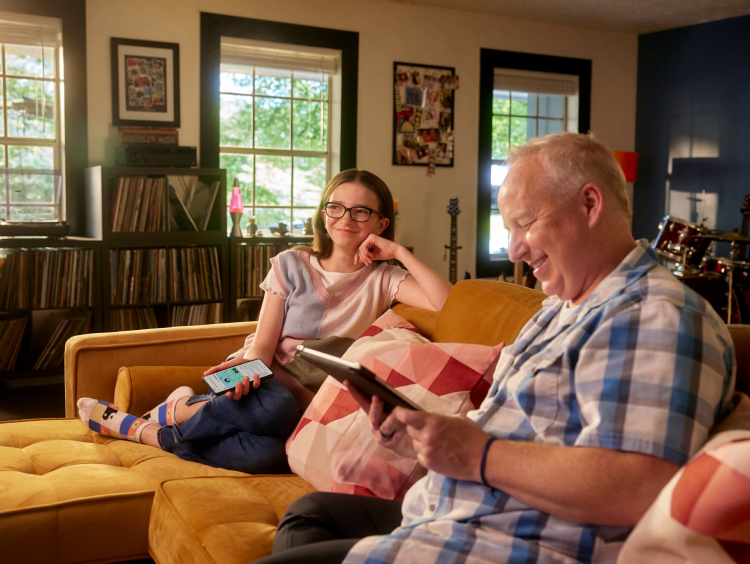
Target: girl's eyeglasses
357,213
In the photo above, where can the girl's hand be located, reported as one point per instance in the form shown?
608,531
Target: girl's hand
242,388
388,431
376,248
224,365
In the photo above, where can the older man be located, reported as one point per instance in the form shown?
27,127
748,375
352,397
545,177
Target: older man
609,389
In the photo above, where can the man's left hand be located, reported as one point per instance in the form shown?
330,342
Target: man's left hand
449,444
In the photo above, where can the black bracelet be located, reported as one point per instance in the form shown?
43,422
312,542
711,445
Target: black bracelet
484,460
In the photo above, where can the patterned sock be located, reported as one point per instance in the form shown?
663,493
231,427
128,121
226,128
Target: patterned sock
105,418
164,413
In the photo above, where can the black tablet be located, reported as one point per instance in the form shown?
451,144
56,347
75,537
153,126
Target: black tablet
359,376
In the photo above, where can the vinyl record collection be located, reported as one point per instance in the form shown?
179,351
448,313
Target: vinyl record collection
139,204
138,276
254,262
59,327
63,278
195,274
198,314
127,319
14,280
11,335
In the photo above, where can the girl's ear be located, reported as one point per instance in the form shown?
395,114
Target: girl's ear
382,224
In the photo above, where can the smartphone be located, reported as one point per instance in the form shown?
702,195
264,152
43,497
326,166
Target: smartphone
226,380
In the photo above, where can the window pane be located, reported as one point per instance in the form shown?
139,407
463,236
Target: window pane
310,125
520,131
268,220
310,85
531,109
236,121
26,60
2,110
31,108
309,180
500,102
547,126
273,180
31,187
499,138
300,216
519,105
241,168
2,179
33,214
237,82
552,105
499,236
273,82
31,157
272,123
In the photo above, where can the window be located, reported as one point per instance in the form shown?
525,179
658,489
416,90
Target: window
517,105
275,128
31,129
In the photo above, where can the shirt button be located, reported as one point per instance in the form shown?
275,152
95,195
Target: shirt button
432,507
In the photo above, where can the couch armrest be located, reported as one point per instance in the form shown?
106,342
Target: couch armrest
92,361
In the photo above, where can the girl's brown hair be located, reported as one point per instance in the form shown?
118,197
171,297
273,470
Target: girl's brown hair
322,246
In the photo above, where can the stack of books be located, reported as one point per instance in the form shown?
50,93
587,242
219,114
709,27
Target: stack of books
133,318
198,314
138,276
60,327
14,280
63,278
254,262
139,204
195,274
11,336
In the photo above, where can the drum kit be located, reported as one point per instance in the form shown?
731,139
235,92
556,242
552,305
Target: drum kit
723,281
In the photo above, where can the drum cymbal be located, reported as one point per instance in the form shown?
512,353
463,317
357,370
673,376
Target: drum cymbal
731,237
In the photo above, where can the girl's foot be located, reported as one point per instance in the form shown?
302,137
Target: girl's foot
164,413
105,418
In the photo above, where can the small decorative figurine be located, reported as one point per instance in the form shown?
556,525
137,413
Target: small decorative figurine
252,228
282,230
235,209
308,226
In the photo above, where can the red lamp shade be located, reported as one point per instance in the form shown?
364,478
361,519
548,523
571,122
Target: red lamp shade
628,163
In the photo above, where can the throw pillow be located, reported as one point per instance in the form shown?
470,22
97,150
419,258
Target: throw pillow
333,448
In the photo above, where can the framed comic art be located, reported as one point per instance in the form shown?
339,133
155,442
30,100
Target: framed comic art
423,114
145,83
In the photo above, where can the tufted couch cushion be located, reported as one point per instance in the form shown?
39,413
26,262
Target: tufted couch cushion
70,495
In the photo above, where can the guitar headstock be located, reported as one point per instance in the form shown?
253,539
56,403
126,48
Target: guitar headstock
746,205
453,207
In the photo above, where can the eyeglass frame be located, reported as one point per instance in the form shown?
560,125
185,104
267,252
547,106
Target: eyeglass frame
325,208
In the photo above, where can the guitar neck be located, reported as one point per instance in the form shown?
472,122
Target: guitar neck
454,252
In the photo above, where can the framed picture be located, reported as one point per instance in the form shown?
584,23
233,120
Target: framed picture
145,83
423,114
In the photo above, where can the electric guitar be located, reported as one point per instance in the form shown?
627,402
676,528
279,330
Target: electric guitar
745,209
453,211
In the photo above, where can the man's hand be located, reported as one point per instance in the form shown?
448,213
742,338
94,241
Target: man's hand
449,444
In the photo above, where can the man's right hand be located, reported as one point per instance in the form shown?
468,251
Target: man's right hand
388,431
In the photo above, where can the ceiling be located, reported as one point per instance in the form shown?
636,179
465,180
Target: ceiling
629,16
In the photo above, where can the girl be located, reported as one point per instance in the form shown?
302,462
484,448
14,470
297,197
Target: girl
331,292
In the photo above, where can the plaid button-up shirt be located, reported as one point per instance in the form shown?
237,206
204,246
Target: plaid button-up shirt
645,365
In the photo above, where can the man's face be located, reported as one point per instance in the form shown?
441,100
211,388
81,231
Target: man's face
546,232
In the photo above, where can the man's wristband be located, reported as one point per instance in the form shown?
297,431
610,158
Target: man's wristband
483,462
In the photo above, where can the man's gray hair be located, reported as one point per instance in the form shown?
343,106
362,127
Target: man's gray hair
572,160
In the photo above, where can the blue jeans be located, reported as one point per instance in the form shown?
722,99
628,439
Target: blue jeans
247,435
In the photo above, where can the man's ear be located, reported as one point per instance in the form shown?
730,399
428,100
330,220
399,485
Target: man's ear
592,199
382,224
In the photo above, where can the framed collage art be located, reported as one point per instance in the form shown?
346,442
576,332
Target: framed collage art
423,108
145,83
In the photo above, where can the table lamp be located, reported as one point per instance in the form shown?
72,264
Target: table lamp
235,209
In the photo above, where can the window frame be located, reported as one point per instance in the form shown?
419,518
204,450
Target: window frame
489,60
74,115
214,26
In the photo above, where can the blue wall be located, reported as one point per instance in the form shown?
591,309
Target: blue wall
693,99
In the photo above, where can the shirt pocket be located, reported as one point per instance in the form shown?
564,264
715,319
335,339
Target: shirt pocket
537,391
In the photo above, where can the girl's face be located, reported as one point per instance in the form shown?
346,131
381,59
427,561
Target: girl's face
344,231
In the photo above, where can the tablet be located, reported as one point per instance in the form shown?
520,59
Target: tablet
359,376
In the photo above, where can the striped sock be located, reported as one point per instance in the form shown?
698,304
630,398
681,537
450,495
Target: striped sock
105,418
164,413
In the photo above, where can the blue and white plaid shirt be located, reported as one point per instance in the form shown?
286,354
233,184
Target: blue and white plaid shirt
644,365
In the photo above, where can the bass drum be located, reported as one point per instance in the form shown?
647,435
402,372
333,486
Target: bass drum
715,290
678,237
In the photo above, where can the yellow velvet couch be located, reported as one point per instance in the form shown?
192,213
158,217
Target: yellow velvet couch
69,495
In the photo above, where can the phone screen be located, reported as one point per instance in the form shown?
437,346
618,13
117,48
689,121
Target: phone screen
228,378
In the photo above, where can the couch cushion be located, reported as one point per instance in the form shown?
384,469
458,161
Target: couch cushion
485,312
227,520
141,388
77,496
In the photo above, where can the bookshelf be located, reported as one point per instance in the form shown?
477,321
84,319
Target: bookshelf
48,293
165,258
250,260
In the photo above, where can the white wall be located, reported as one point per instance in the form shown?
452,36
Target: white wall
388,31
